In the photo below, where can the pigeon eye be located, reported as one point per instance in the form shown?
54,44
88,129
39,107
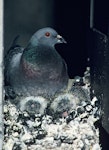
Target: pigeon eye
47,34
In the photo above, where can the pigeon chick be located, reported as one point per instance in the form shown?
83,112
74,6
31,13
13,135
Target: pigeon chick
34,105
64,103
38,70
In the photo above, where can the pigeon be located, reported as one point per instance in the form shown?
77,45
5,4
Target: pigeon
38,69
69,101
34,105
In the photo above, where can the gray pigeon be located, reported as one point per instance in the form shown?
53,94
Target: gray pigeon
37,70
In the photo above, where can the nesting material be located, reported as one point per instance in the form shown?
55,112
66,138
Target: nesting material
72,128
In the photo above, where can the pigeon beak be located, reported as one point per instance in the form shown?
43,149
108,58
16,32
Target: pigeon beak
60,39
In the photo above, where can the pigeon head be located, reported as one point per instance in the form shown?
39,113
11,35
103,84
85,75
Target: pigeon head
46,36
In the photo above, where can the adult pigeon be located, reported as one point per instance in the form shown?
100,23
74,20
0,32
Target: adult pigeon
37,70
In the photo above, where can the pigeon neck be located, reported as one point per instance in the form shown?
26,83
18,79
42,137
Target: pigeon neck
34,45
29,54
36,60
39,54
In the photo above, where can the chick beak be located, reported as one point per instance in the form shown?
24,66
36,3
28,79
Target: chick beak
60,39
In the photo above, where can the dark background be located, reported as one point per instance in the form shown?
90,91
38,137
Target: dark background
71,19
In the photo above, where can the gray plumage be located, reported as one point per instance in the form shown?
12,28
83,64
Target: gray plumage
38,69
